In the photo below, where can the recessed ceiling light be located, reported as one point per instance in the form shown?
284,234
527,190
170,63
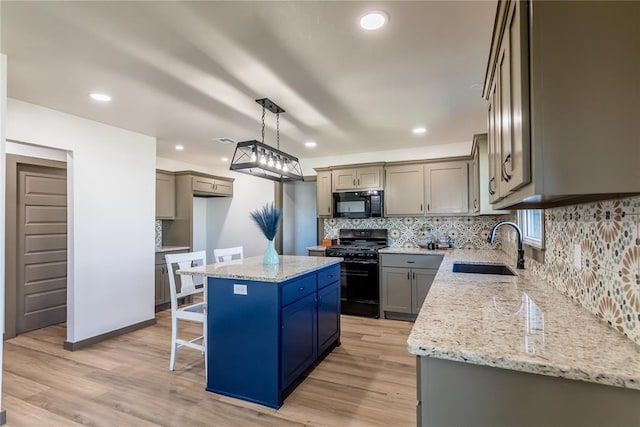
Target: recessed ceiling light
310,144
179,147
102,97
373,20
419,130
225,159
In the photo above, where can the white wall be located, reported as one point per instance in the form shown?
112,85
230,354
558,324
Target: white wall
111,215
3,111
421,153
199,224
299,217
228,223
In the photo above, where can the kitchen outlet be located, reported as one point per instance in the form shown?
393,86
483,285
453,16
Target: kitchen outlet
577,256
239,289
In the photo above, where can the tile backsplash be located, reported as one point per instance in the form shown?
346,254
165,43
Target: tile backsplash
464,232
607,283
158,233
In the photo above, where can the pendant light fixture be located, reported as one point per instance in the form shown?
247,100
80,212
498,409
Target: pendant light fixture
258,159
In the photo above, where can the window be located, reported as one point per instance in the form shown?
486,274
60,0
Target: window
531,223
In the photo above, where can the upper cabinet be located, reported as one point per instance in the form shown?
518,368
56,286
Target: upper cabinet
190,184
205,186
324,199
427,188
474,176
562,118
404,190
165,195
446,186
357,178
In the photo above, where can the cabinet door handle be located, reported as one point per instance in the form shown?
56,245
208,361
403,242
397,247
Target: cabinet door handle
301,288
354,182
414,275
420,207
358,182
329,209
428,207
475,204
408,275
411,262
493,178
505,174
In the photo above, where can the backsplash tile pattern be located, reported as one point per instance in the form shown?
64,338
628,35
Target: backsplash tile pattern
608,280
465,232
158,233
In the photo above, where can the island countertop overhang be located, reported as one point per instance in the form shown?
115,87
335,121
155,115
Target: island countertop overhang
252,268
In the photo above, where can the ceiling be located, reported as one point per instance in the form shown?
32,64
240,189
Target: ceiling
187,72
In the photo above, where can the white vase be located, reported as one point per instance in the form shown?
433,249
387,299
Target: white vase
270,255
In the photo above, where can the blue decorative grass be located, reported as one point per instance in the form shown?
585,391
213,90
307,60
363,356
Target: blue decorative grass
268,219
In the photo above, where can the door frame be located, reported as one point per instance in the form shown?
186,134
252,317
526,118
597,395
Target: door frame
11,224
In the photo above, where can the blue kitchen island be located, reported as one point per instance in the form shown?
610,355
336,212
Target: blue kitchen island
267,325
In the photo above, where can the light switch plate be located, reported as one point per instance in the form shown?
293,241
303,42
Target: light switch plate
239,289
577,256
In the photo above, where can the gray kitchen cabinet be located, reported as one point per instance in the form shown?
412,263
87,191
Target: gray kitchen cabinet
474,177
324,197
162,292
481,189
165,195
357,178
421,280
205,186
313,252
549,142
190,184
404,190
405,280
446,187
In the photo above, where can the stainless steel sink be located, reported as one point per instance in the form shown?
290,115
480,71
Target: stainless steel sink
462,267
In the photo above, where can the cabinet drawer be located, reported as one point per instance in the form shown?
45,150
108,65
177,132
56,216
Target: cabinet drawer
297,289
328,276
411,261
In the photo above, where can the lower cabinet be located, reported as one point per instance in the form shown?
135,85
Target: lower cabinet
299,338
162,293
263,336
405,281
328,315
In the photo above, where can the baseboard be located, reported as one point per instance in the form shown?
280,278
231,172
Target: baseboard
73,346
3,417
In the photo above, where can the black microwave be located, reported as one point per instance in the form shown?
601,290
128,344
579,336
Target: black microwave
358,204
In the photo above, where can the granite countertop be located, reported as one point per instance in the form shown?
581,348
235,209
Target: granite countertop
171,248
252,268
520,323
316,248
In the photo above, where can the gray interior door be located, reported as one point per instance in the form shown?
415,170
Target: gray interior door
41,246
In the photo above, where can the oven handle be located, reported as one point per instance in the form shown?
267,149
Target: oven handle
360,262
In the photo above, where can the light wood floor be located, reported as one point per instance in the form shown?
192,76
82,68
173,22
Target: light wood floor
369,381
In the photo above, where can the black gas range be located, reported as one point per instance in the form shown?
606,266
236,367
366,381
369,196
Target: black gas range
359,279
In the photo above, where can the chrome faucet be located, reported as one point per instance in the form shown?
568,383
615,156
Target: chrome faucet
492,239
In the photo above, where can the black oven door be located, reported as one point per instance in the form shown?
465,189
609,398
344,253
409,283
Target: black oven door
360,290
351,205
